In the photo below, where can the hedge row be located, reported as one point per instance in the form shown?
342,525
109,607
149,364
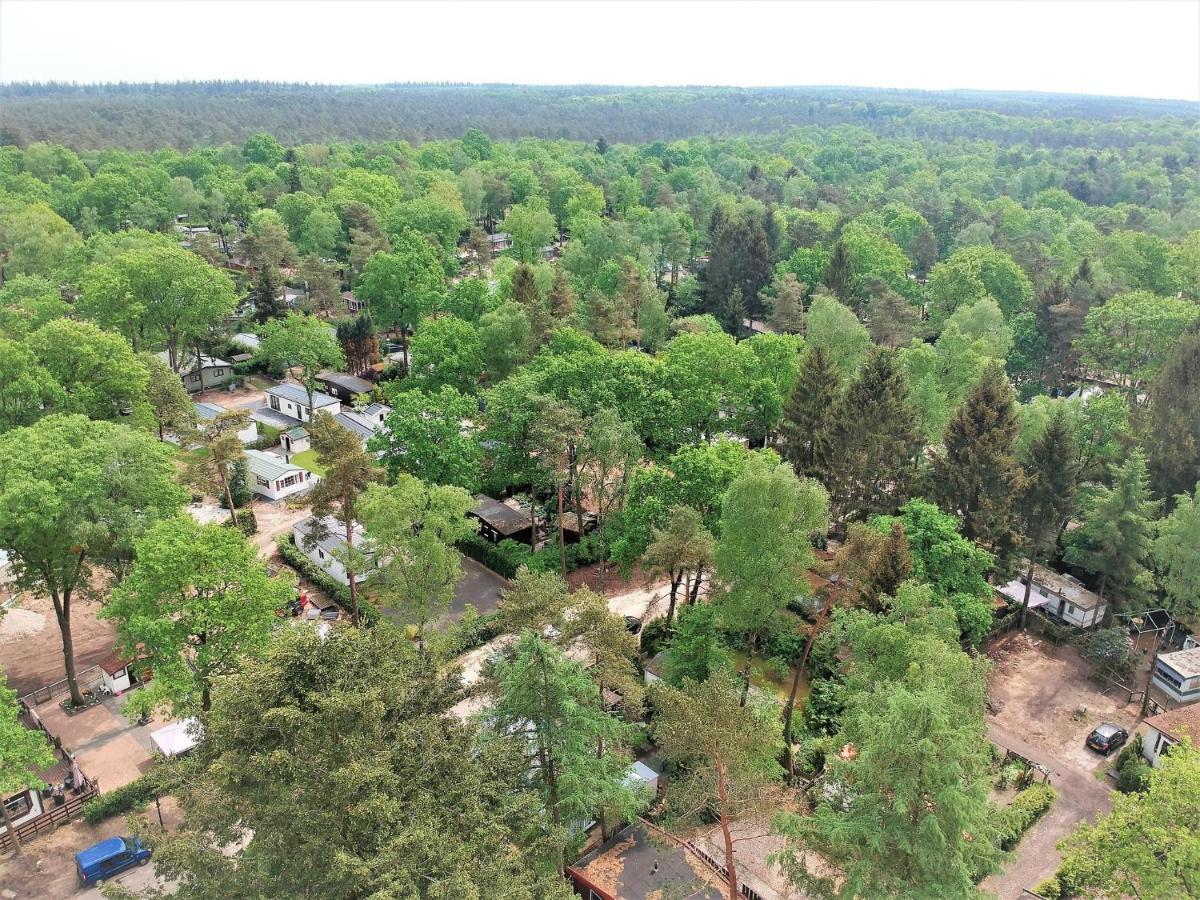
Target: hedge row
508,556
125,799
1027,807
471,632
335,590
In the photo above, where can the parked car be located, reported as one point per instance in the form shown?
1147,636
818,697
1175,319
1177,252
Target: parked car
99,863
1107,738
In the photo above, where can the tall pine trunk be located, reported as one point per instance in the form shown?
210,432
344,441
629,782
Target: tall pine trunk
726,834
350,571
62,611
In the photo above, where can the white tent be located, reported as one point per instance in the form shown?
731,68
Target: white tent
177,738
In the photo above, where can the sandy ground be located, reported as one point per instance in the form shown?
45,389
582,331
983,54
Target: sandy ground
1038,688
32,656
248,397
47,868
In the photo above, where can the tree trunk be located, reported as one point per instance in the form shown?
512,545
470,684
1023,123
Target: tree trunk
206,691
562,543
228,496
675,580
12,829
350,572
726,834
696,585
62,610
1028,589
808,645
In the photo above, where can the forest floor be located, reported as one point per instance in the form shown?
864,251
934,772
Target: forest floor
1036,689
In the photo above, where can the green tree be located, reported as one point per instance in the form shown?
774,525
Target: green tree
399,798
446,351
874,442
74,495
976,473
806,414
1148,844
27,302
767,519
506,338
1172,432
423,436
835,327
1177,553
548,702
161,294
220,452
304,343
787,310
839,274
402,286
412,529
195,602
531,228
99,375
349,470
695,651
727,755
1131,334
1047,493
23,751
27,389
906,812
34,238
168,398
972,273
1115,538
683,547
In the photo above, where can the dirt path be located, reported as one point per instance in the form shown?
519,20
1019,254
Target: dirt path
1081,797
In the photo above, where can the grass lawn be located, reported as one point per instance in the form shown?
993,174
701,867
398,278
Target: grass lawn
308,460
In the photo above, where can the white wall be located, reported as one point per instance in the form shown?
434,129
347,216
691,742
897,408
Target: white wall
1153,745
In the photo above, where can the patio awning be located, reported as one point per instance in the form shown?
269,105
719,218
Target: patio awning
178,737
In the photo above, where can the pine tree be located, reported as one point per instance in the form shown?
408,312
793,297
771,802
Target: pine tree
1047,493
1172,434
267,303
695,649
1116,535
976,473
562,298
787,312
525,291
874,442
733,312
889,567
839,274
806,414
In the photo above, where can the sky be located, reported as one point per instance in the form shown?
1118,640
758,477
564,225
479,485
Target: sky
1143,48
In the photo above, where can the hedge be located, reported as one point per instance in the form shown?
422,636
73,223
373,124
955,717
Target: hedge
470,633
1027,807
335,590
124,799
508,556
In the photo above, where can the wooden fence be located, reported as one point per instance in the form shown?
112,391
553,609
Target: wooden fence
48,692
52,817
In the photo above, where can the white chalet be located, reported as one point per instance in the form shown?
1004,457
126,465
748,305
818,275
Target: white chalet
273,478
292,400
323,541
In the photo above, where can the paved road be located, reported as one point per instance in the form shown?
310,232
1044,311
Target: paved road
1081,796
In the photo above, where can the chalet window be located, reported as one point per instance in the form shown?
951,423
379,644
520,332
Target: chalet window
321,554
1041,590
219,372
1071,608
263,482
289,481
274,403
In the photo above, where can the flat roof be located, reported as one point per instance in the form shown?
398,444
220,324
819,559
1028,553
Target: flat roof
499,516
351,383
1066,586
1185,662
298,394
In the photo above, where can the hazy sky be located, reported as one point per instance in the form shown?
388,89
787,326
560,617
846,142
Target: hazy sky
1145,48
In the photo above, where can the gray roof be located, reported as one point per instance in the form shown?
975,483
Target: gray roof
634,865
377,412
333,539
269,466
351,383
1185,662
298,394
297,432
246,339
352,421
185,362
208,410
499,516
1066,586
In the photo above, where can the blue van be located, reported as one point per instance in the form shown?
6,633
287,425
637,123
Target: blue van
98,864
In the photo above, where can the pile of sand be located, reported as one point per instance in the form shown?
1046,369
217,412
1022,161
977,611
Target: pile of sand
17,623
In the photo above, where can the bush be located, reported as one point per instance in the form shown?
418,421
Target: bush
247,522
1132,771
1027,807
125,799
655,635
503,558
1110,650
470,632
1051,889
338,592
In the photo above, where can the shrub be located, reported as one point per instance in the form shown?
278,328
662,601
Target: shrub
338,592
1132,771
470,632
503,558
655,635
1050,888
1018,817
129,797
1110,650
247,522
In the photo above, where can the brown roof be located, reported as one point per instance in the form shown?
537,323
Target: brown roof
500,516
115,661
1175,723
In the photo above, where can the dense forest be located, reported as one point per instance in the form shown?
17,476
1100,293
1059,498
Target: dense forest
186,115
917,343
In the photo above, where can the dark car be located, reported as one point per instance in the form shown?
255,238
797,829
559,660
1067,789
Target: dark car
633,624
1107,738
